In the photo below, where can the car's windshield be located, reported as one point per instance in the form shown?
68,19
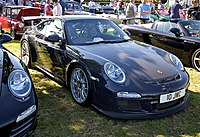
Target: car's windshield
192,27
82,32
15,12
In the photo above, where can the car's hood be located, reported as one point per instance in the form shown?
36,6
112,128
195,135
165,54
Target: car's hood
136,59
28,12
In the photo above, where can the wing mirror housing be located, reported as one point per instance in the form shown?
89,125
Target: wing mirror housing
176,31
55,38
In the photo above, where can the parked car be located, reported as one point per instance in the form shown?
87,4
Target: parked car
11,19
108,9
102,66
181,38
18,101
98,8
74,8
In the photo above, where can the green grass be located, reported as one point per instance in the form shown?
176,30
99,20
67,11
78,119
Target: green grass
60,116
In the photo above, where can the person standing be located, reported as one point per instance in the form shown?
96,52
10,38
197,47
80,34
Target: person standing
174,10
57,9
91,6
161,5
47,9
192,11
144,10
152,6
121,7
131,9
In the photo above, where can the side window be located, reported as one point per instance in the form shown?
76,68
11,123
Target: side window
69,7
42,27
55,27
165,27
162,27
77,7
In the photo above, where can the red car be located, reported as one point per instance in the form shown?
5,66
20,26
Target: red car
11,19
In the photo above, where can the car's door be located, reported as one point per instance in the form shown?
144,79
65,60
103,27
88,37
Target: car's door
5,19
166,40
49,53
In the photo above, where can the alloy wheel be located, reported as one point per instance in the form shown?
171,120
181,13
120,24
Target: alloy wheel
79,85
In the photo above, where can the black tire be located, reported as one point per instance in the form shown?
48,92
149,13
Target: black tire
80,85
25,54
196,59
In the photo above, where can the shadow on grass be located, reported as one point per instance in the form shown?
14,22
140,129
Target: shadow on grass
59,115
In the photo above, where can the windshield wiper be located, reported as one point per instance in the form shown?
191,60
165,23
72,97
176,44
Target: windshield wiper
105,41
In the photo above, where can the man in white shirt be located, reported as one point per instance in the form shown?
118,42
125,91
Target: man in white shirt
91,5
57,9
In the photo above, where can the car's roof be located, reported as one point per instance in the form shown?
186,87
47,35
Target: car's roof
19,7
75,17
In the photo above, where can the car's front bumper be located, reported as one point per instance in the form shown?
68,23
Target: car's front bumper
24,127
128,109
147,105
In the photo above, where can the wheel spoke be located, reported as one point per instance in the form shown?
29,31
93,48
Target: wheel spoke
197,59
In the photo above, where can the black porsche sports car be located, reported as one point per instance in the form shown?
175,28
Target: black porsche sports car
102,66
18,102
181,38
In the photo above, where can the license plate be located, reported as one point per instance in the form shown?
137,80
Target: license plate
172,96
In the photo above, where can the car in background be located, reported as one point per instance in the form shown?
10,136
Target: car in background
12,22
74,8
18,101
98,8
104,67
181,38
108,9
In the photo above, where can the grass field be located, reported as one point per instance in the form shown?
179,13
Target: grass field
60,116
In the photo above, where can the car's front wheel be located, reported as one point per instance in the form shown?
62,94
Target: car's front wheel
25,53
79,85
196,59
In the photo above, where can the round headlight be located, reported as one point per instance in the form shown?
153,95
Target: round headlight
114,72
176,62
20,25
19,83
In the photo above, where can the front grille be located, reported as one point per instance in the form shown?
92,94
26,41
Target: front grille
165,80
22,128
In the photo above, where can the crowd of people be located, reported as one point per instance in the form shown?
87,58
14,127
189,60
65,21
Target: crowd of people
143,10
146,7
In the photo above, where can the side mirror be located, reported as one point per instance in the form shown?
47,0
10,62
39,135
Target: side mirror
176,31
5,38
54,38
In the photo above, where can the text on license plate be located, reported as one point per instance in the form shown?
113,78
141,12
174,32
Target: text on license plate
172,96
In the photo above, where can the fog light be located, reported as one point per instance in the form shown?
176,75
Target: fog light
26,113
128,95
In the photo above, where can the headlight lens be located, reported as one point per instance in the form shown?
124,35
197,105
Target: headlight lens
19,83
114,72
176,62
21,25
